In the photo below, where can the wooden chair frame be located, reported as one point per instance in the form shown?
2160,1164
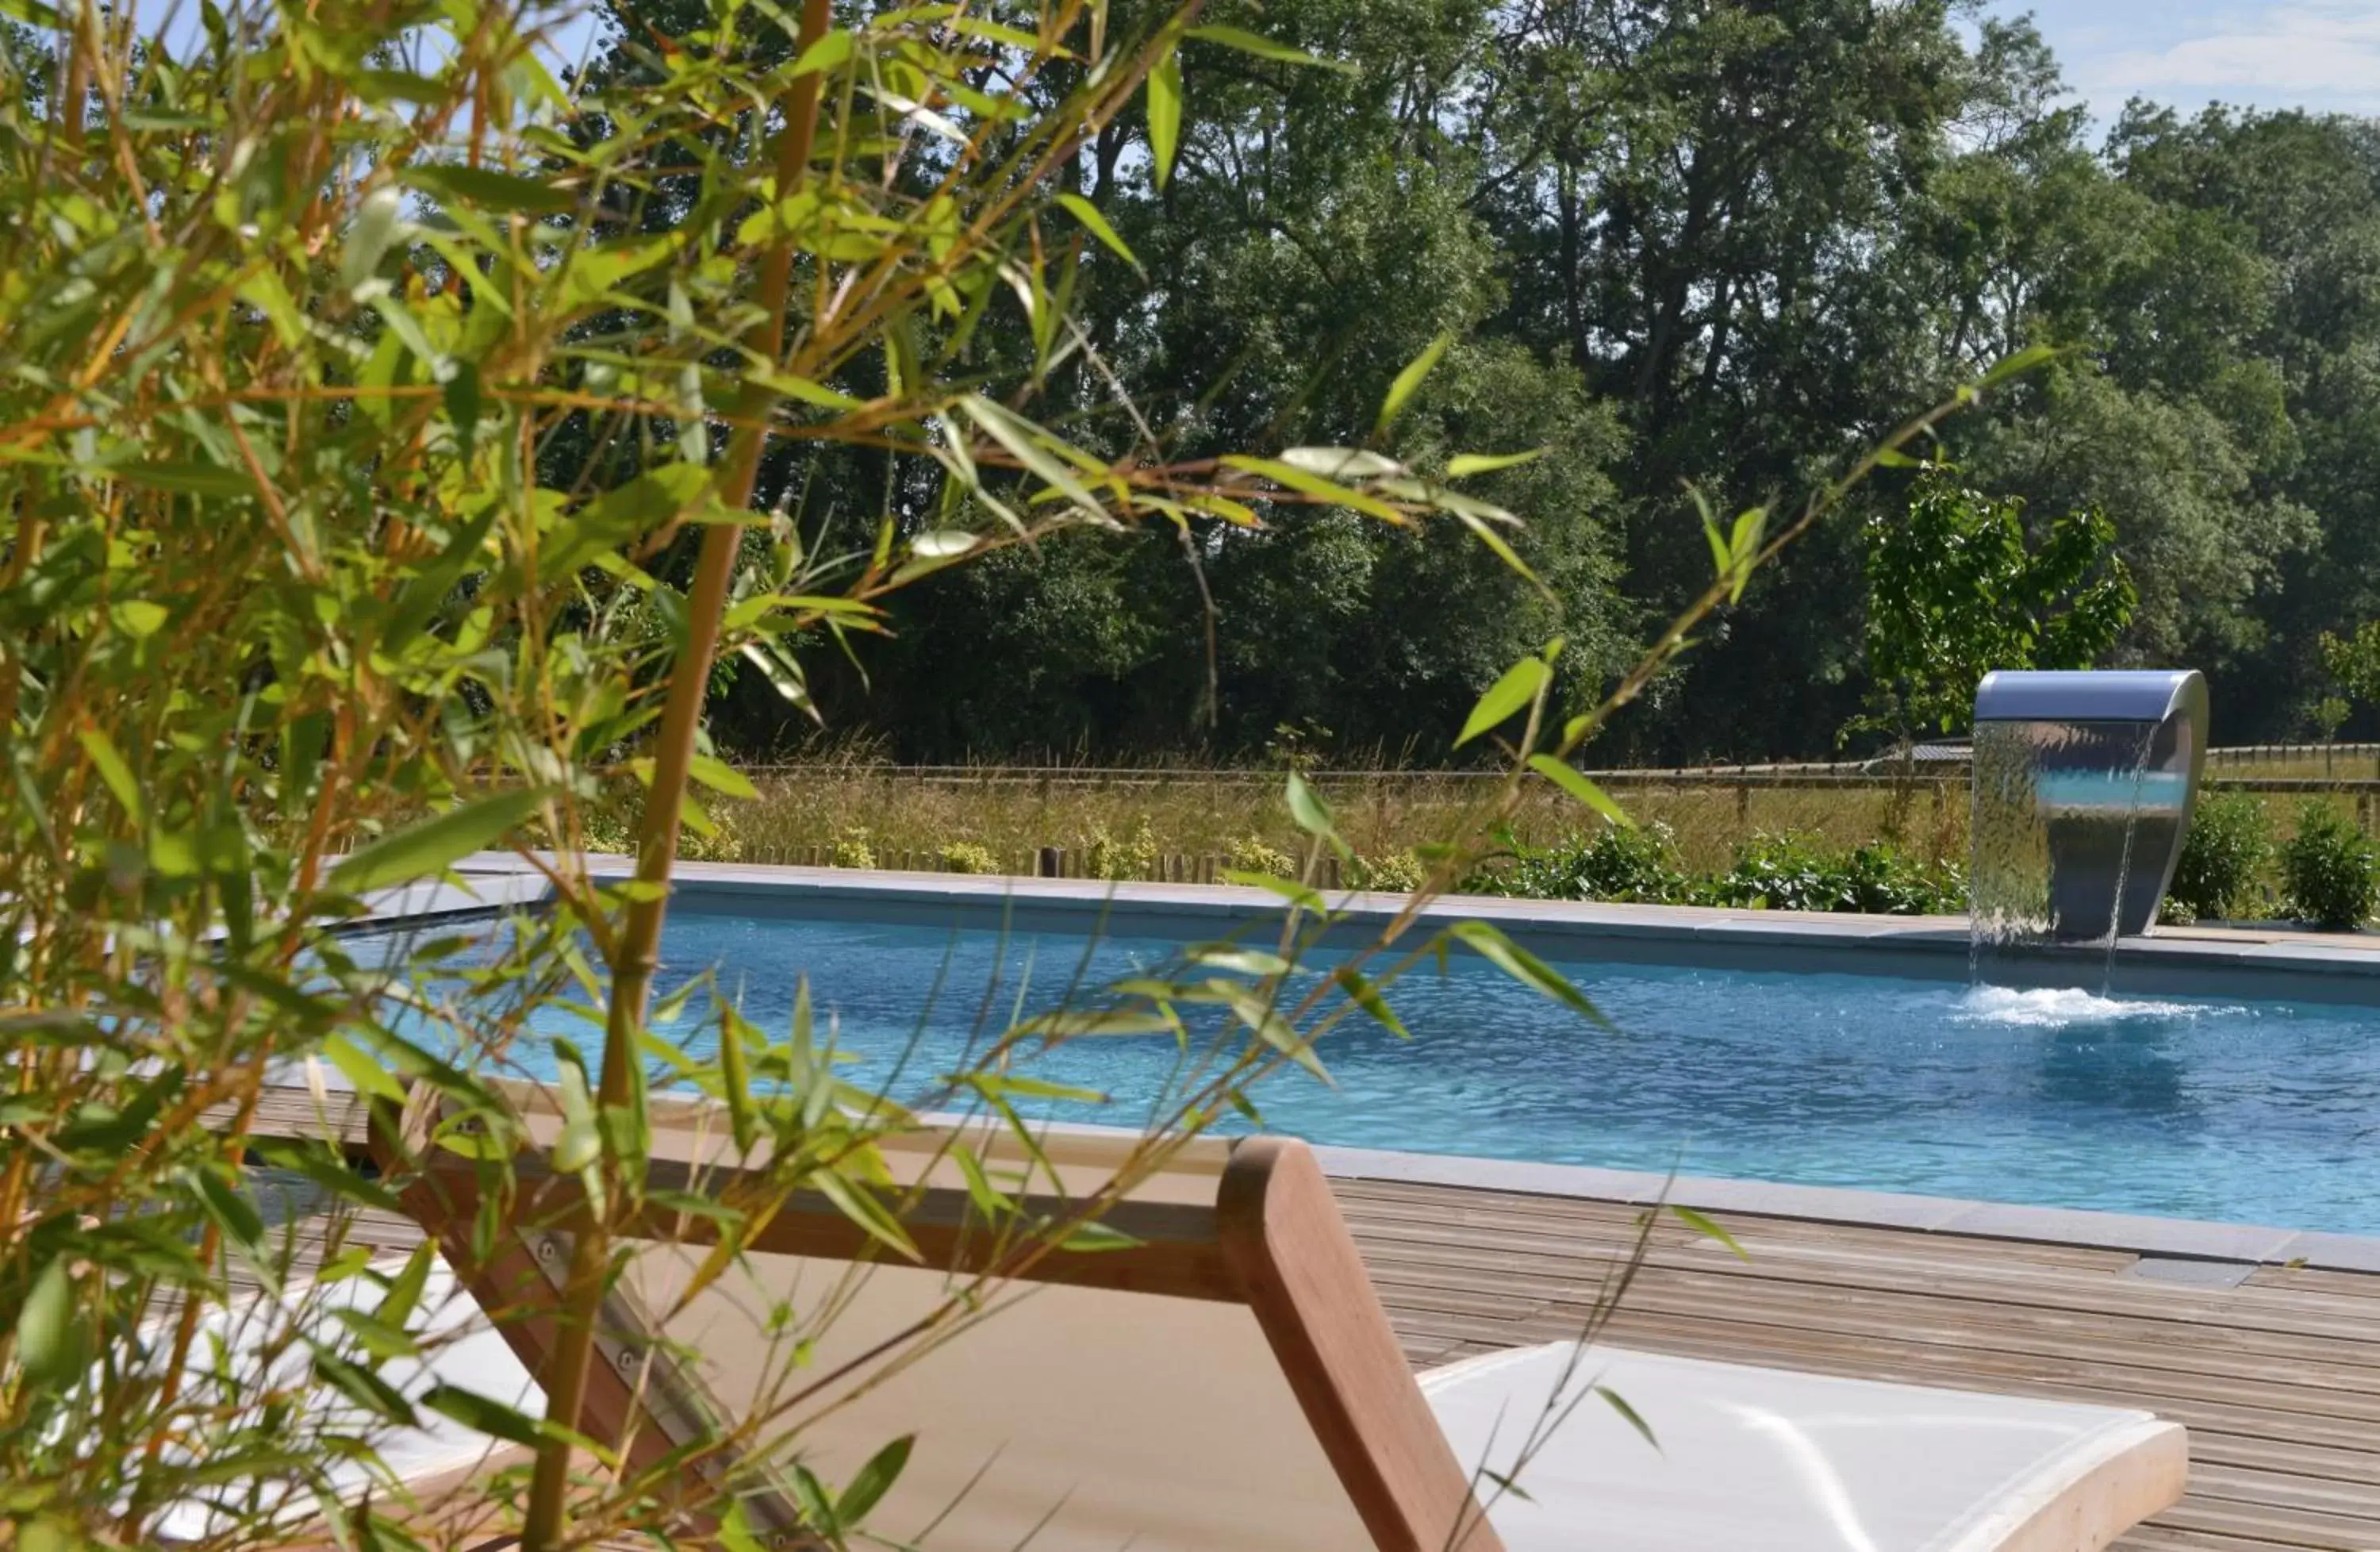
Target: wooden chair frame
1272,1240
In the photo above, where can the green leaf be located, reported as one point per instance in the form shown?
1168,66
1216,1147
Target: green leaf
1164,116
1409,380
234,1214
651,501
1522,965
1498,546
1366,996
1708,1229
315,1163
488,189
1263,47
1278,1033
721,777
186,478
363,1069
1297,894
1462,465
112,771
1743,546
1025,442
463,403
482,1414
735,1530
831,51
138,618
378,1337
426,592
867,1213
735,1081
405,1289
46,1344
1566,776
593,272
1619,1406
432,844
872,1481
1306,808
1094,1237
1293,477
1097,225
2022,361
1516,688
1239,961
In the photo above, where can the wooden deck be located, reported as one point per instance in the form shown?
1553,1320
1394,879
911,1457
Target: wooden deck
2277,1379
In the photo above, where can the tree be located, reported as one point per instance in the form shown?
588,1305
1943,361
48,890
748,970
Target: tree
1956,591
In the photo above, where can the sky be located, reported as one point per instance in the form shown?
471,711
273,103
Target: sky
2320,55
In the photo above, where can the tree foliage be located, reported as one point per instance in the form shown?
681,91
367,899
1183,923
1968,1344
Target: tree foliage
1710,246
1956,589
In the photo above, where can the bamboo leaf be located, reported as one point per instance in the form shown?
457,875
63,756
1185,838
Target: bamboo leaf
721,777
1030,446
1240,38
866,1212
1521,964
2016,365
1291,477
113,771
363,1069
1306,808
829,53
46,1344
482,1413
1566,776
735,1081
1097,226
405,1289
234,1214
1409,380
185,477
1366,996
1619,1406
430,845
1708,1229
1515,688
1462,465
1164,116
488,189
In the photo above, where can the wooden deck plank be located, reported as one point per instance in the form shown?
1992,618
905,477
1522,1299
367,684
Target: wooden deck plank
2277,1379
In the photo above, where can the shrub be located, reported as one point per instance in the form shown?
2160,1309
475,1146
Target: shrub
2328,870
1252,854
965,857
1794,872
2229,845
1609,863
1107,857
1399,872
853,849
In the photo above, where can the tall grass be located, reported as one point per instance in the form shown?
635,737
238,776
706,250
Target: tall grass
874,814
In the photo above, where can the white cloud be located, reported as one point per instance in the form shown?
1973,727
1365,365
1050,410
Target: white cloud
2316,54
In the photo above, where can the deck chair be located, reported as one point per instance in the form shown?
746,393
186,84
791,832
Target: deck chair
1229,1382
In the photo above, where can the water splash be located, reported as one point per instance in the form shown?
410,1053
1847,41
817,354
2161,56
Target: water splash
2065,1007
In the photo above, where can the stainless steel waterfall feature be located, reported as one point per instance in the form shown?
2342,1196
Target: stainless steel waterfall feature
2084,783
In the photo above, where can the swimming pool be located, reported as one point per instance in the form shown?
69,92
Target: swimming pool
2233,1111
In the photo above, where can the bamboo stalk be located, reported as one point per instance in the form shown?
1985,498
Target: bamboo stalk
638,953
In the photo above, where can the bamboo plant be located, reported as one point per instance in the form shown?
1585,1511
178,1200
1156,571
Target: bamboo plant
397,433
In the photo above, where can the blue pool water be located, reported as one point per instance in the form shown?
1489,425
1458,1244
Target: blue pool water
2243,1111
